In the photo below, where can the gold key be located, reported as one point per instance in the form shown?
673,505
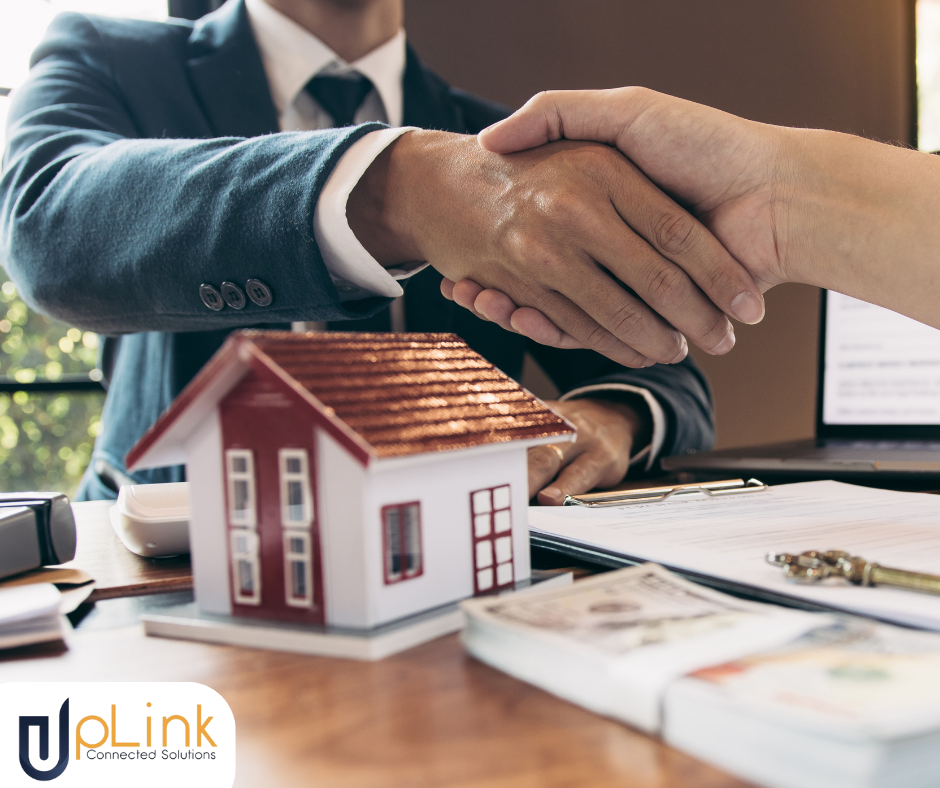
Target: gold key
814,565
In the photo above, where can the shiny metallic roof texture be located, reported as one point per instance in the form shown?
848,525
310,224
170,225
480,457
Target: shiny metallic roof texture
408,394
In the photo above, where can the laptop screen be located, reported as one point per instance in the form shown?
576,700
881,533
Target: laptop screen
878,367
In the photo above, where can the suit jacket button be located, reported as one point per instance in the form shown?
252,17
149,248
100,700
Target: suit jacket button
233,295
259,292
211,298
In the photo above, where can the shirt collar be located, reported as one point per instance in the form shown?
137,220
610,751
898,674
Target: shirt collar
292,56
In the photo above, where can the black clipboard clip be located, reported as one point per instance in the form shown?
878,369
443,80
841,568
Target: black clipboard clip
659,494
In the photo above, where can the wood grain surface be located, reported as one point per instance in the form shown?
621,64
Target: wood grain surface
429,717
116,570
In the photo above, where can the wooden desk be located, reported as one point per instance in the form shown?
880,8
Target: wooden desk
432,716
116,570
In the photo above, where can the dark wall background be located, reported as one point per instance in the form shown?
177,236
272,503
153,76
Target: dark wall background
837,64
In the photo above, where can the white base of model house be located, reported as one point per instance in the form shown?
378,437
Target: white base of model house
187,622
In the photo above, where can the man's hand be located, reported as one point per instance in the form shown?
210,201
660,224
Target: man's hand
792,205
559,229
722,166
725,168
600,457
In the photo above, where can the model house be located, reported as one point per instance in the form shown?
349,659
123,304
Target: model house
351,479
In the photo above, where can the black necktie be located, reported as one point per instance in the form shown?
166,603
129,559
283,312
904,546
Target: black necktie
340,94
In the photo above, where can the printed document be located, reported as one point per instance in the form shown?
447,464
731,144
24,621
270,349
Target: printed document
729,538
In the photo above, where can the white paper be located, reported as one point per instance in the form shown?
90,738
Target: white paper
729,538
30,614
23,603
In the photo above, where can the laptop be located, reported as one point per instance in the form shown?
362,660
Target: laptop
877,404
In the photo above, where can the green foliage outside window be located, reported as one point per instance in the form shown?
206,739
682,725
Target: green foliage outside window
45,438
36,348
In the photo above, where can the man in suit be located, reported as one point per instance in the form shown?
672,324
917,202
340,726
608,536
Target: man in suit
166,183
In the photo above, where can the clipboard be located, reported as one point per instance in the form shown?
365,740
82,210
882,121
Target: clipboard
659,494
607,541
610,559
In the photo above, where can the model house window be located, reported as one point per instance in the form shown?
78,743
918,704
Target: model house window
401,526
241,487
298,574
491,512
246,580
296,500
296,518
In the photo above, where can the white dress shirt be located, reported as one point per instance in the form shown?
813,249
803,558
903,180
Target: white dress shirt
292,56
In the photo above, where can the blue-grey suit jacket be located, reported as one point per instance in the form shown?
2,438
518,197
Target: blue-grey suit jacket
143,160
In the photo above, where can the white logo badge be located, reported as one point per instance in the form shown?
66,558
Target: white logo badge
115,734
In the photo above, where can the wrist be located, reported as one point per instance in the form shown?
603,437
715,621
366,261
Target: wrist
630,409
378,209
803,196
411,204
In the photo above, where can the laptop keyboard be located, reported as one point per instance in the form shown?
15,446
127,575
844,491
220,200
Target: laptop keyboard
883,445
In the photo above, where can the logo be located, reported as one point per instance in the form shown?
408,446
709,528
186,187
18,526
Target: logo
115,734
43,724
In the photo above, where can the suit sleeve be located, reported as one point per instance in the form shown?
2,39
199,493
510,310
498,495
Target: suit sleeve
115,234
681,390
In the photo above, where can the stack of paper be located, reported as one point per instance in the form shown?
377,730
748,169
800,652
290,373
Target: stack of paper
855,704
614,642
782,698
74,585
30,614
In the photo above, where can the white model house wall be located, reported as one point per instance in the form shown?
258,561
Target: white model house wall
207,529
349,503
442,483
340,513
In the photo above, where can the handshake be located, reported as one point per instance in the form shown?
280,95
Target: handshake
631,222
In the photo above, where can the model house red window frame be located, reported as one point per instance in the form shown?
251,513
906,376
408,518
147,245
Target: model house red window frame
491,528
391,577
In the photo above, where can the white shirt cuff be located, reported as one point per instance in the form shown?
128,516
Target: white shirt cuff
651,451
354,271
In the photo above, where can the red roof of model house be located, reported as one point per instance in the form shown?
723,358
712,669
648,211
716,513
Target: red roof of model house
380,395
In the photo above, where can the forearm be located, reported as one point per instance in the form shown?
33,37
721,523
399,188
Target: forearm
800,205
681,391
862,218
118,237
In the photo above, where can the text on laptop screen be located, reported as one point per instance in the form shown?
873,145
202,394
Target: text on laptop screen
880,367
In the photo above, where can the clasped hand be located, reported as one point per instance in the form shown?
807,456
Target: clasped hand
725,169
572,230
569,243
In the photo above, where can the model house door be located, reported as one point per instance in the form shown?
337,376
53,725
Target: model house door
491,516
